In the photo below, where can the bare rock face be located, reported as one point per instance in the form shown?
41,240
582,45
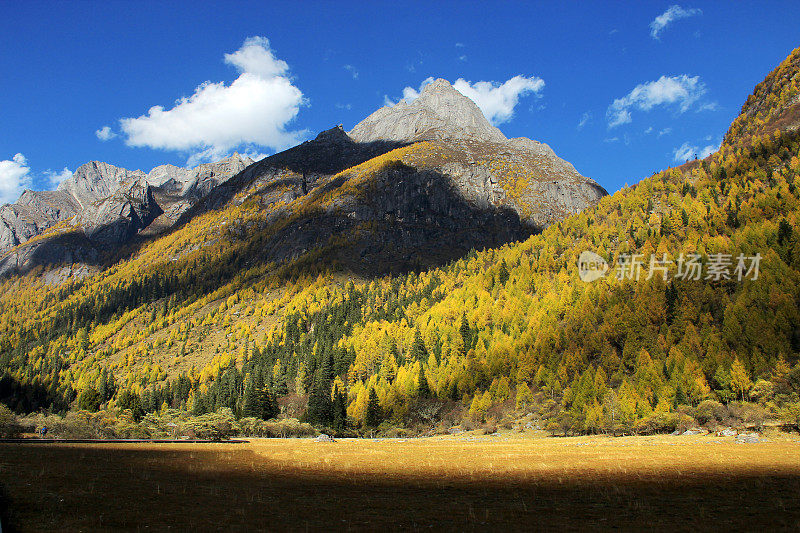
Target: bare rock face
490,170
107,204
32,214
96,180
440,112
118,217
178,189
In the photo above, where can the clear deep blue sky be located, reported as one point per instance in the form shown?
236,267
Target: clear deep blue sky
70,68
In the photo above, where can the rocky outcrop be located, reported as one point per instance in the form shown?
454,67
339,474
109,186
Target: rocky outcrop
116,218
522,174
440,113
95,181
107,204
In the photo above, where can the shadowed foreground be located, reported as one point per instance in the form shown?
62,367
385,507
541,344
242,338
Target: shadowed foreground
449,483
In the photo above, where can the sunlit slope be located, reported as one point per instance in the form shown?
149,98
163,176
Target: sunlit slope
228,297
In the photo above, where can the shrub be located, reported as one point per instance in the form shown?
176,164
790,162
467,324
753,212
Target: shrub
9,427
749,414
791,414
89,400
710,411
219,425
661,422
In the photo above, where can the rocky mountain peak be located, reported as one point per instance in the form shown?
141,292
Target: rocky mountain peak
96,180
440,112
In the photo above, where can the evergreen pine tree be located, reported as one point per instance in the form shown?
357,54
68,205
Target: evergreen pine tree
251,405
423,389
339,409
373,416
418,350
320,406
466,333
502,275
268,404
680,396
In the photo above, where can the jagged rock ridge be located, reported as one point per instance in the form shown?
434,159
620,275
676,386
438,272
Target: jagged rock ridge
108,205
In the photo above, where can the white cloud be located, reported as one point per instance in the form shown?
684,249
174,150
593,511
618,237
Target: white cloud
684,152
665,131
687,151
344,106
682,91
256,57
253,110
708,150
496,100
352,70
459,45
648,130
462,58
708,106
585,118
14,178
55,177
672,14
409,93
105,133
209,155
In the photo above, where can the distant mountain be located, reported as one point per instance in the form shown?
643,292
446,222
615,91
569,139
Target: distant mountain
433,177
102,206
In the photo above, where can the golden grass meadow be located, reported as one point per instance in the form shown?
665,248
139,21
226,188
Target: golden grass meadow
455,482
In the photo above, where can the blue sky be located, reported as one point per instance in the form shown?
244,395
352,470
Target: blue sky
619,89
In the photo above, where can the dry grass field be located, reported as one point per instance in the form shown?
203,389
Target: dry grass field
509,481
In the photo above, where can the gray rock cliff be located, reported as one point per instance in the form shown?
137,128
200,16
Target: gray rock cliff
108,205
440,112
487,168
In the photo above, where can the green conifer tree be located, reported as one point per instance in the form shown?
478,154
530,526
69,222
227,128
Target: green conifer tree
374,415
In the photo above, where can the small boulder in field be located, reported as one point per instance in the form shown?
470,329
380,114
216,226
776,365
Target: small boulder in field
748,438
324,438
727,432
694,431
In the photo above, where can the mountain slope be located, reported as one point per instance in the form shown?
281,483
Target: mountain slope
467,187
234,300
773,106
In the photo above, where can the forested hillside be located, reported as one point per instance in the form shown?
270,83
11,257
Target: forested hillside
197,321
